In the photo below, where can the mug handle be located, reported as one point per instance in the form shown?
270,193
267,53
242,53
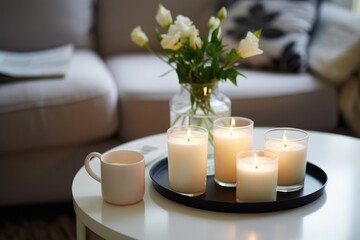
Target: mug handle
88,168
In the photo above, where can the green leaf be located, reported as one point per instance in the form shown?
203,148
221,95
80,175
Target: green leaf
231,56
214,35
231,74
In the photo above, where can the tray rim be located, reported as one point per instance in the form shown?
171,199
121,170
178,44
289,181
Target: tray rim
233,207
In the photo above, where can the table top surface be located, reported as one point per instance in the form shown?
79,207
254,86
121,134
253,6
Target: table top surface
335,215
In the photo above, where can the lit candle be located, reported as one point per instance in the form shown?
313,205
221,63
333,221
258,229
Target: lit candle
187,159
231,135
256,176
291,146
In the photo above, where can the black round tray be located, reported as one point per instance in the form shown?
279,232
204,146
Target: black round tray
222,199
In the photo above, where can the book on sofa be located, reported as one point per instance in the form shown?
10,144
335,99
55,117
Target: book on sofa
49,63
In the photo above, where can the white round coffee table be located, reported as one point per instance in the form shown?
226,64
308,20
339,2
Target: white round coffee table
335,215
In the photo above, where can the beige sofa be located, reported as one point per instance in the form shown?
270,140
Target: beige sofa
112,91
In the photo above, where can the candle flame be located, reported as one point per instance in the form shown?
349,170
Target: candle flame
284,140
233,122
256,161
232,125
188,134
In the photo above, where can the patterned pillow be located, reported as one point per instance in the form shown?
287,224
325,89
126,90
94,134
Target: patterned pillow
286,26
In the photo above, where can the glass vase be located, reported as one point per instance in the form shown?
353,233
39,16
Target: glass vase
200,105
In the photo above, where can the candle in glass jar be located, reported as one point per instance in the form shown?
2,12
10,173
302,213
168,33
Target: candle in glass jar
187,159
231,135
291,146
256,176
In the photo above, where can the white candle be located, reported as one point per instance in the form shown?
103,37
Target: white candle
228,141
227,145
292,161
187,160
256,177
291,146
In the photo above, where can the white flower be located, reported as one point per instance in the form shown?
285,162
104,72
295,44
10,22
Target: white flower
249,46
163,17
181,25
139,37
194,38
213,23
179,32
170,41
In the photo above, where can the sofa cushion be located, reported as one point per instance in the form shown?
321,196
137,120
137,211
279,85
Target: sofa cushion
270,99
54,112
338,36
286,31
40,24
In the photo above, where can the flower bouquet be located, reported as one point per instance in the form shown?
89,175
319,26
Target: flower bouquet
199,61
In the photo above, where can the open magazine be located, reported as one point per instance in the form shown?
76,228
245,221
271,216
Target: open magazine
48,63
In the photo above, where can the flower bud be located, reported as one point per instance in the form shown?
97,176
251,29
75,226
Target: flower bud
213,23
139,37
222,14
163,16
249,46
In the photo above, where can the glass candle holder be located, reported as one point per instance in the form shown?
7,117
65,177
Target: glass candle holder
256,176
291,146
187,159
231,135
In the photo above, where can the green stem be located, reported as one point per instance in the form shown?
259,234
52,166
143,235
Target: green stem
231,63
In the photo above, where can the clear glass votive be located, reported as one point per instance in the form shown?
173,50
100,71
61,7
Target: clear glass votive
231,135
291,146
256,176
187,159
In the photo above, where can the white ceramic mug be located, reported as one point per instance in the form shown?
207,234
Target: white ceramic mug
122,176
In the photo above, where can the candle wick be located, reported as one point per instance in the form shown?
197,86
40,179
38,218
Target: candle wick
188,139
256,167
